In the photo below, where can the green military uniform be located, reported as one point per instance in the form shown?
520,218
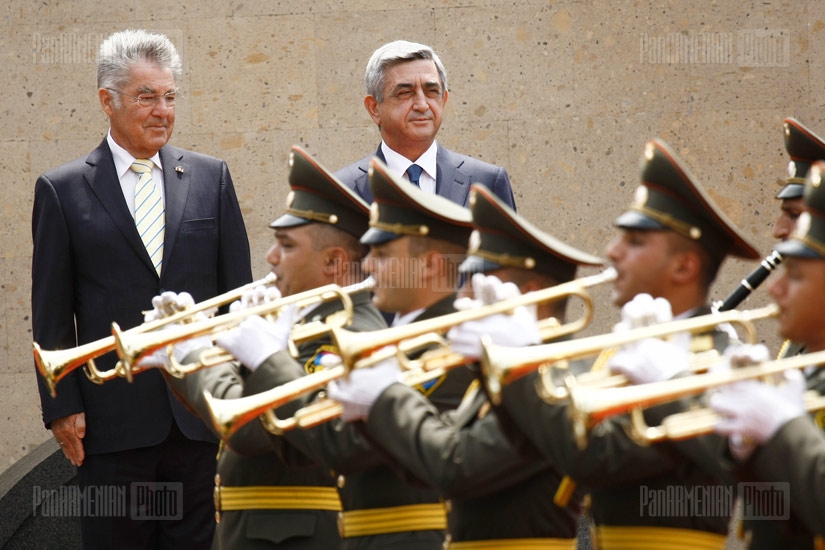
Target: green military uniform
262,501
497,497
380,510
804,148
796,453
620,475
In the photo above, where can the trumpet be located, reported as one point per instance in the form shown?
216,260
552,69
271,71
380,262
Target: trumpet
132,347
695,422
54,365
501,365
362,350
589,406
353,346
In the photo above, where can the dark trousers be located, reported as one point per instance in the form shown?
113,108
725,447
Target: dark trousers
156,497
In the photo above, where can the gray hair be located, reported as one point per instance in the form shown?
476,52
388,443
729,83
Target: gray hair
392,54
123,50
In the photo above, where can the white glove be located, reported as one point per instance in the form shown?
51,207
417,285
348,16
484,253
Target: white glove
259,294
254,340
752,412
743,355
650,360
169,303
517,329
362,389
643,311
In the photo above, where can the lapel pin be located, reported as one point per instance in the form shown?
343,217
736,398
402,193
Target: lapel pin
179,169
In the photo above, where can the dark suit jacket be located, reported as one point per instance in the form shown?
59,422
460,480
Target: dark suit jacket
455,173
90,268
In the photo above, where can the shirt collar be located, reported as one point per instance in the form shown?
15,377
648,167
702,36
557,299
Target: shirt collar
123,159
399,163
407,318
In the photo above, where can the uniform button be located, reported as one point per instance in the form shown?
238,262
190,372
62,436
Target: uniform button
217,480
448,506
341,481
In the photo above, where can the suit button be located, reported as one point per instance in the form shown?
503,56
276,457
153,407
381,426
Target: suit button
341,481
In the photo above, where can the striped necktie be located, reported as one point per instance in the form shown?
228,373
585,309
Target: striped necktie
150,217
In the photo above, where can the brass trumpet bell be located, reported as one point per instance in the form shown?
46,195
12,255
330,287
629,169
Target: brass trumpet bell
54,365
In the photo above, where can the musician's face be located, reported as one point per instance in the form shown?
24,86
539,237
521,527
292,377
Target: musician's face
642,260
798,293
296,260
785,223
397,274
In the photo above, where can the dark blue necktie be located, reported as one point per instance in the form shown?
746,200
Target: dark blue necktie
414,173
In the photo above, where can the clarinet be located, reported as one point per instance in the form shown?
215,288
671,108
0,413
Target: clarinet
750,282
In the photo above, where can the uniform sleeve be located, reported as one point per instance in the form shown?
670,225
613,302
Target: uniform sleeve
336,444
53,323
610,456
796,455
460,461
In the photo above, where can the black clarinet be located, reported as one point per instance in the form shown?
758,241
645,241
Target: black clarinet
750,282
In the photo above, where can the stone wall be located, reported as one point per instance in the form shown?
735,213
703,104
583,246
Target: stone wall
563,94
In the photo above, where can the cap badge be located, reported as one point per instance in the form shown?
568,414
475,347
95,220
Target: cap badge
475,242
375,214
803,224
290,198
792,169
640,197
816,176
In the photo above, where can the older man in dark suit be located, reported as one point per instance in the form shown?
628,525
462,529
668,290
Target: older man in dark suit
111,230
406,93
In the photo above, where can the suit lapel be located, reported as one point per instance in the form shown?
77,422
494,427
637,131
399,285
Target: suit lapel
176,180
451,182
102,177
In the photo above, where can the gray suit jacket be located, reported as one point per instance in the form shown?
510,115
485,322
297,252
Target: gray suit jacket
455,174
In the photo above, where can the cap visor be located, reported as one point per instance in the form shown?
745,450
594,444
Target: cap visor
636,220
288,220
795,248
477,264
377,236
791,191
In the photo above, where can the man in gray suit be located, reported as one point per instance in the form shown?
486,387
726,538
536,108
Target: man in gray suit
93,264
406,93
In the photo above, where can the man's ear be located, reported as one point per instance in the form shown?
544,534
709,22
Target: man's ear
106,101
335,262
372,108
686,267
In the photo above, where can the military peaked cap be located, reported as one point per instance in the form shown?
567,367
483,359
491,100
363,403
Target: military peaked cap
808,238
502,238
804,147
318,196
401,208
670,198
